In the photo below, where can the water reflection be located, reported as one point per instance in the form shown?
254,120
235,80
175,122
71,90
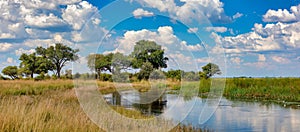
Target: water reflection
128,100
230,115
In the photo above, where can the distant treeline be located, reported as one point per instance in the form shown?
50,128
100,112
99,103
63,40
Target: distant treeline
147,58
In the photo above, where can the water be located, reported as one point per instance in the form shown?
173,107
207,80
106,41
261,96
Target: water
229,116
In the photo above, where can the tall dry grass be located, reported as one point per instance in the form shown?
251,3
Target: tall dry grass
52,106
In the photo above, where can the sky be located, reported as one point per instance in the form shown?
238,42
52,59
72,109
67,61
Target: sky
253,38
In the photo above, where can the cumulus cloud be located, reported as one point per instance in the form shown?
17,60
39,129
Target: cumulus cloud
9,60
217,29
237,15
261,58
4,47
196,47
21,51
283,15
163,36
44,21
139,13
272,37
281,60
236,60
190,10
193,30
78,14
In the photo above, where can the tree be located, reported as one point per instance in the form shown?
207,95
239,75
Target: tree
33,64
210,70
174,74
99,63
120,62
145,71
11,71
148,51
59,55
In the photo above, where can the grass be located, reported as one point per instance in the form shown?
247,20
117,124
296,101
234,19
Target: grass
53,106
273,89
286,89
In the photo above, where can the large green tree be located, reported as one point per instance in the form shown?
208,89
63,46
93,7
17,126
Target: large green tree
33,64
100,63
121,62
11,71
148,51
59,55
210,70
113,63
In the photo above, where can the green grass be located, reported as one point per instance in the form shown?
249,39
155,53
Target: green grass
287,89
275,89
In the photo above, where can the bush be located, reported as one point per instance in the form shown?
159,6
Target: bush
106,77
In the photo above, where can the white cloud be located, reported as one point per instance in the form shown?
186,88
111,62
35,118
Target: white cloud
196,47
203,60
261,58
190,10
78,14
236,60
193,30
44,21
272,37
10,60
258,65
217,29
237,15
163,36
4,47
283,15
21,51
139,13
281,60
6,36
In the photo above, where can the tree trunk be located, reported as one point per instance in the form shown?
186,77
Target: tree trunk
58,72
31,74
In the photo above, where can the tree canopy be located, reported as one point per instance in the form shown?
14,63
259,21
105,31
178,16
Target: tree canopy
100,63
148,51
210,70
59,55
33,64
11,71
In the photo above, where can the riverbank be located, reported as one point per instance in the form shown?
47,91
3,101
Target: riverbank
51,106
280,89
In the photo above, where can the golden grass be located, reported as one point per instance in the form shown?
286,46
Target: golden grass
53,106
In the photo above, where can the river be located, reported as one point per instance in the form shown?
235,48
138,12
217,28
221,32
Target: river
230,115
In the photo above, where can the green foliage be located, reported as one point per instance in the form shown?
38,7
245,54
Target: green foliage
11,71
106,77
174,74
145,71
263,88
68,74
99,63
191,76
120,62
121,77
59,55
210,70
148,51
3,78
33,64
157,75
77,75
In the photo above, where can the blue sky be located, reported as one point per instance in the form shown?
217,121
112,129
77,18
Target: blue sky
246,38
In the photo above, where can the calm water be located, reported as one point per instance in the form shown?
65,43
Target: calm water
229,116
